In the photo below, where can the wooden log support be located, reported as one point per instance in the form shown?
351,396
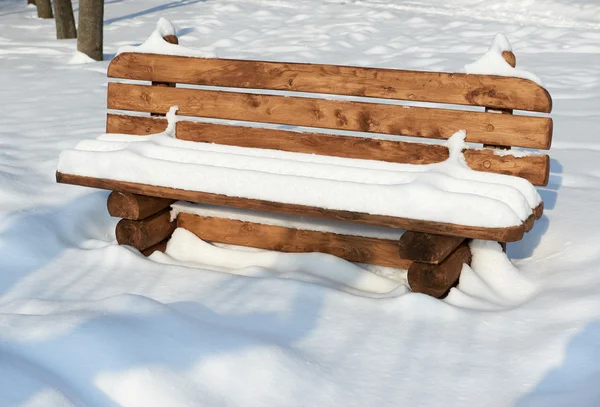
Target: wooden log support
160,247
145,233
437,279
539,210
427,247
135,207
358,249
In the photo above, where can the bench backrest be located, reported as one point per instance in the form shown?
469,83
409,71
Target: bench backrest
472,103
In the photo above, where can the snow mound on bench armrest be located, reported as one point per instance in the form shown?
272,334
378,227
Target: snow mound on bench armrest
155,44
443,192
493,63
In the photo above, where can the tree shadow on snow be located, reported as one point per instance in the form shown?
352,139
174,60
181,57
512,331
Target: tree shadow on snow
129,341
162,7
575,381
32,239
88,350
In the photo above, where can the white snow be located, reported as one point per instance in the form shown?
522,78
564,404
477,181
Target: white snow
85,322
445,192
493,63
80,58
156,44
187,249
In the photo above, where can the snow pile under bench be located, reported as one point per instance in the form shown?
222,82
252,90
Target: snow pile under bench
447,192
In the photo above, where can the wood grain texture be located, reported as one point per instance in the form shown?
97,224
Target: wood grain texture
427,247
510,58
134,125
135,207
481,127
534,168
437,279
509,234
359,249
452,88
145,233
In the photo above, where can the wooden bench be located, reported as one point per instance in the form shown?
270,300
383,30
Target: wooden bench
432,252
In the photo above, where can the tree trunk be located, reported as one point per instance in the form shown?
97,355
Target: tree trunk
91,22
65,21
44,8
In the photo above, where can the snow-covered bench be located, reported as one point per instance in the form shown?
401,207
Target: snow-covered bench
380,182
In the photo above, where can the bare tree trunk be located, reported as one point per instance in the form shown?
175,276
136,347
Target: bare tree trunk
91,24
65,21
44,8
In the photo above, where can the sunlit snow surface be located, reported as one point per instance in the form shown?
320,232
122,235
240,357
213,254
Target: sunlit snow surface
84,322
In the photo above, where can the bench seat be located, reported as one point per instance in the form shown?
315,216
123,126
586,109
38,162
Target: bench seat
447,192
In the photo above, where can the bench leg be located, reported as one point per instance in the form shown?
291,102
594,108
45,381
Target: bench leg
437,279
142,234
160,247
427,247
135,207
146,223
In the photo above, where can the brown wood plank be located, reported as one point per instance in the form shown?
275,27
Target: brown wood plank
539,210
535,168
359,249
437,279
135,207
453,88
427,247
145,233
481,127
135,125
509,234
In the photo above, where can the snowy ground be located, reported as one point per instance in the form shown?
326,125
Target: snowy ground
84,322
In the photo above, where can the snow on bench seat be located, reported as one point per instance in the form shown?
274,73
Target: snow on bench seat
448,192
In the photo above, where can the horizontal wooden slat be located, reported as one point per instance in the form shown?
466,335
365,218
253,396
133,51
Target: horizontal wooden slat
533,168
136,125
452,88
359,249
509,234
487,128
